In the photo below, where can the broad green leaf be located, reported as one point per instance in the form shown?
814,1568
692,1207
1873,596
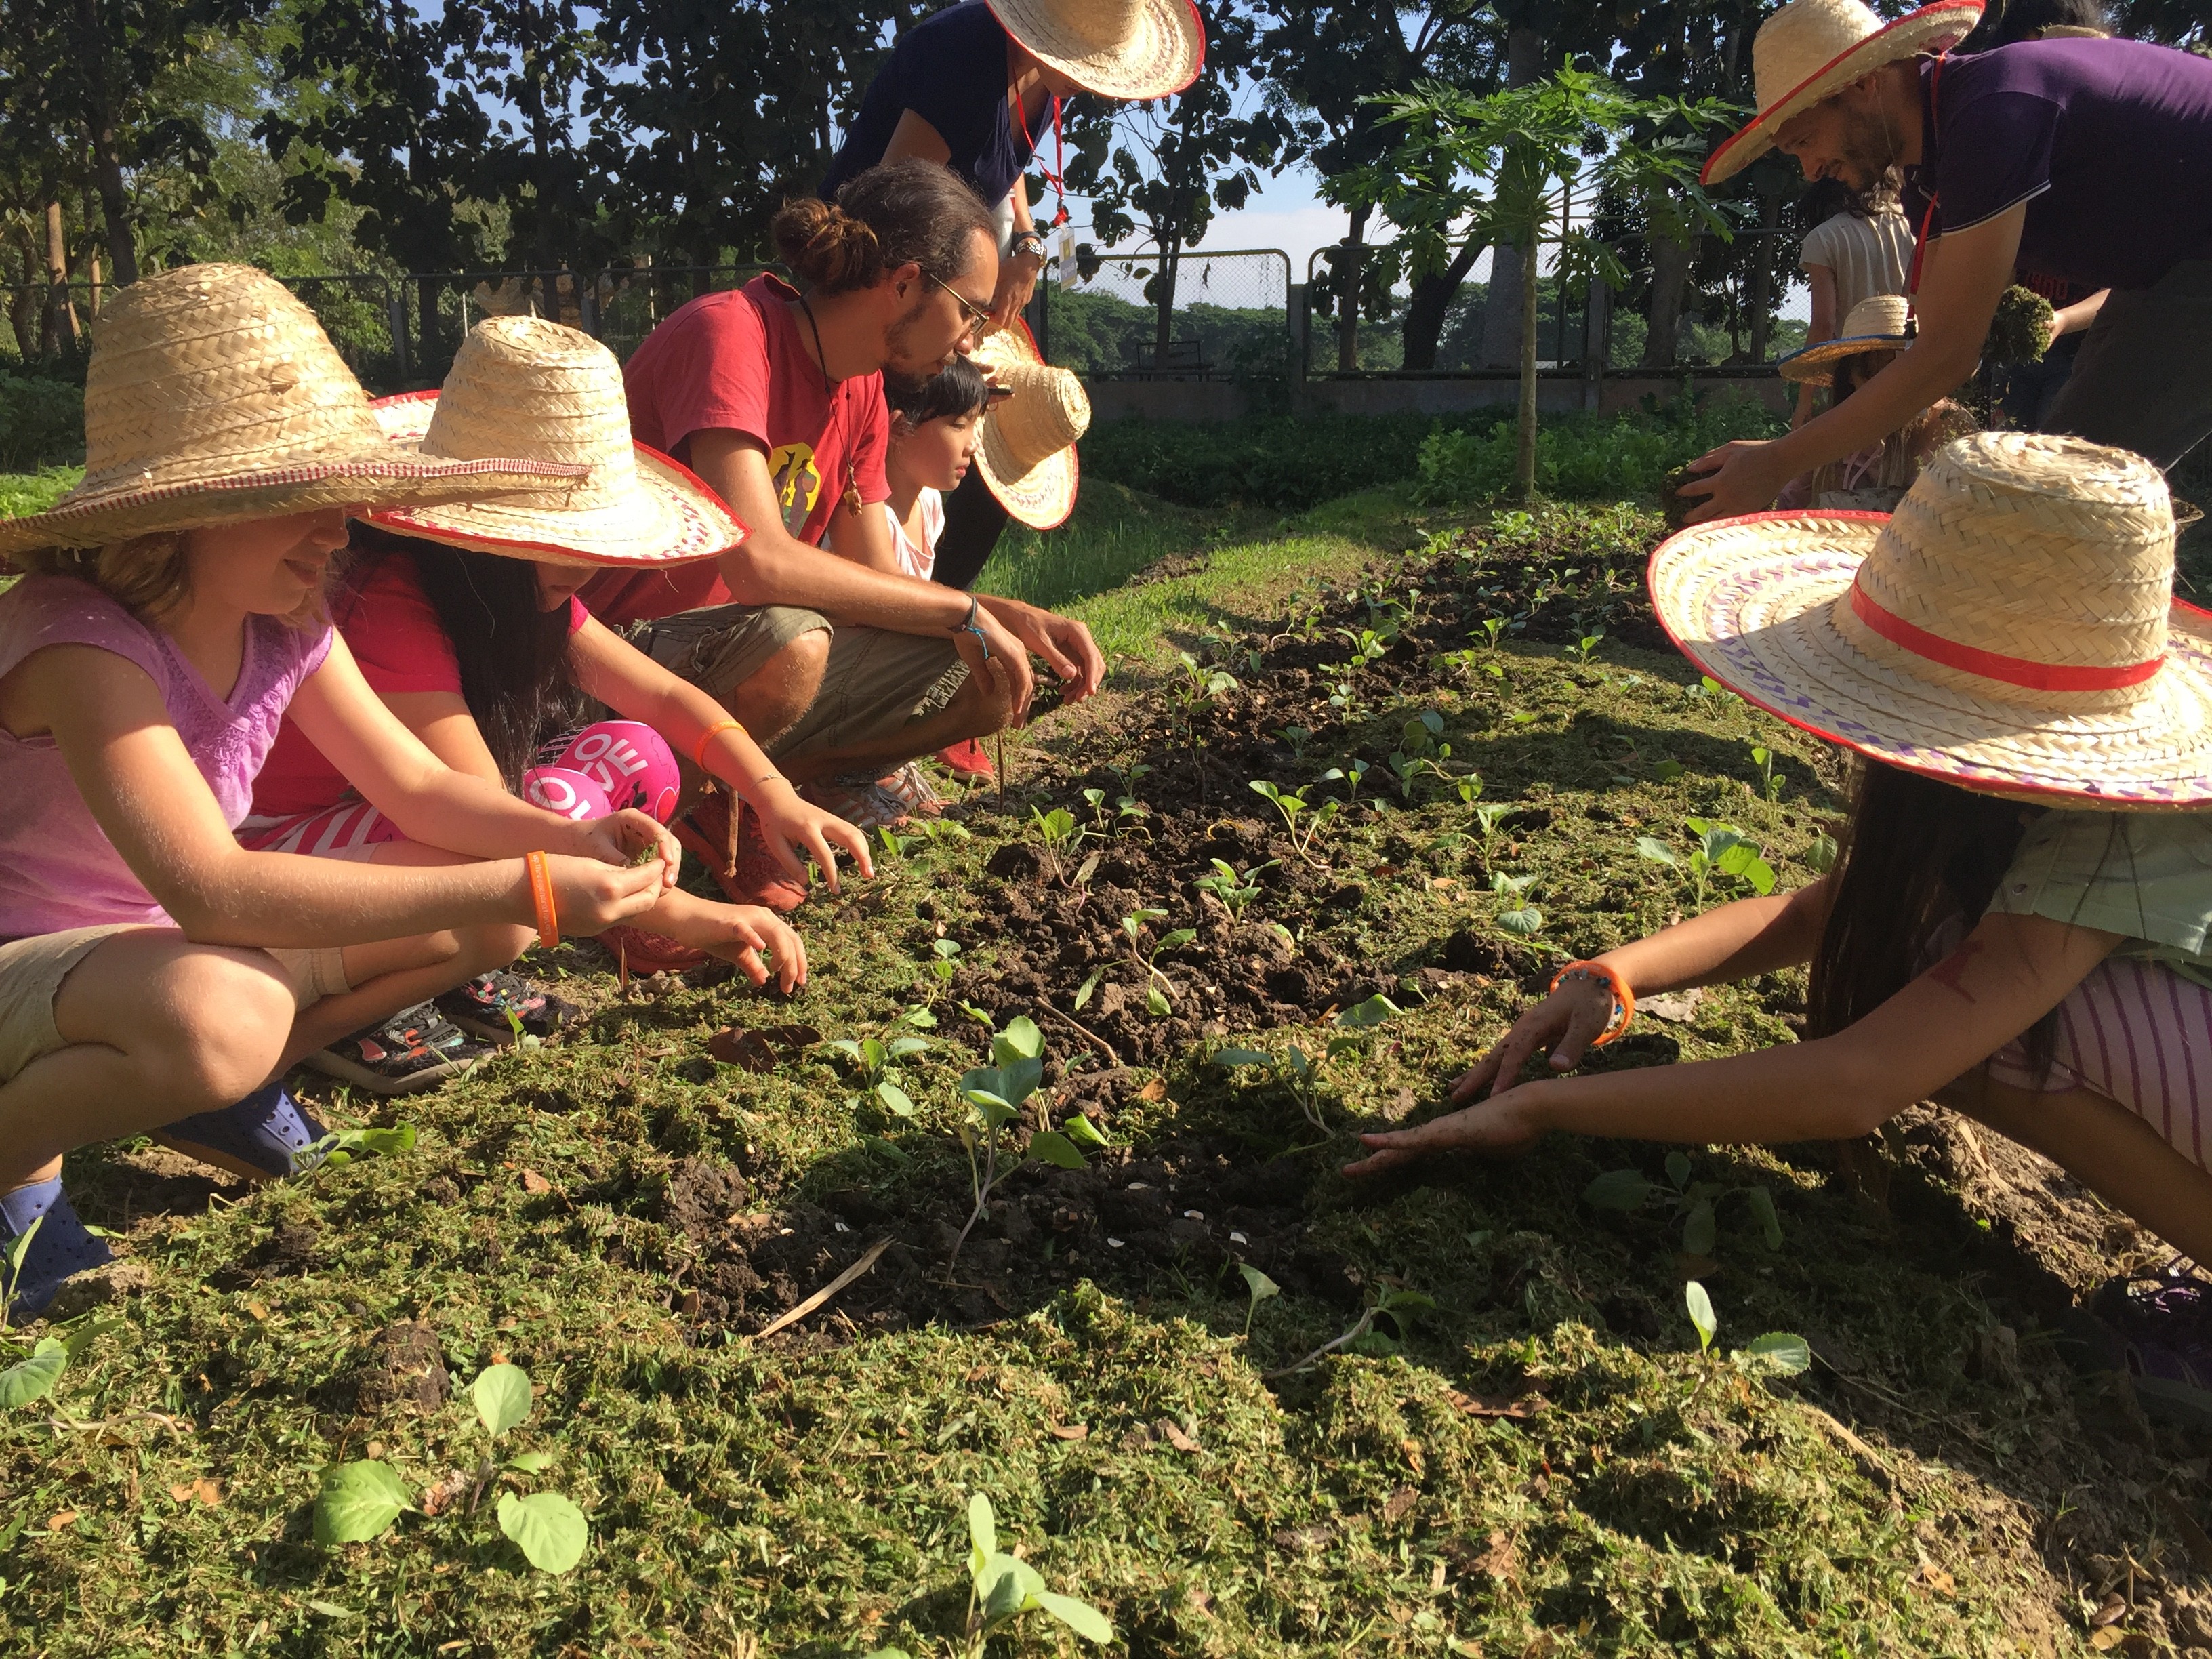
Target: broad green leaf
21,1247
550,1530
1084,1132
1762,1208
1258,1283
1056,1148
1698,1230
358,1502
1777,1354
1619,1190
1180,936
982,1534
1657,851
385,1143
1372,1013
501,1393
889,1152
947,948
1822,855
1087,990
1242,1057
1013,1586
895,1100
1022,1039
1085,1620
1701,1313
1524,921
902,1047
1678,1168
530,1462
872,1054
34,1379
921,1018
1760,874
995,1110
1156,1002
848,1047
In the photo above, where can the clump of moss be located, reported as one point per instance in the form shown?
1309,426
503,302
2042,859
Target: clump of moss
2020,329
1672,502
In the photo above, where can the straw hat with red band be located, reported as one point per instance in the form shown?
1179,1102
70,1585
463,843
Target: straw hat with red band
1811,49
214,396
1026,449
526,386
1881,322
2011,629
1121,49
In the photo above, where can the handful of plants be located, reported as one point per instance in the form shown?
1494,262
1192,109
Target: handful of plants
1673,503
645,854
2020,329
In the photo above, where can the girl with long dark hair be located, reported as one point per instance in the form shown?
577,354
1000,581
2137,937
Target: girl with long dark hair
2020,925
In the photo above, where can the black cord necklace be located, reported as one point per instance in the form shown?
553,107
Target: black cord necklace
852,497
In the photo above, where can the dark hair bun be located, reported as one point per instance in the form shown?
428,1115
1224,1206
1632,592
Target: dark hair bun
826,247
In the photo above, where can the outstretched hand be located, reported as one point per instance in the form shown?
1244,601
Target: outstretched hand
797,830
626,837
1501,1126
1739,477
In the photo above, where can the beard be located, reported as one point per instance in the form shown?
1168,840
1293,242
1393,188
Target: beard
904,367
1866,149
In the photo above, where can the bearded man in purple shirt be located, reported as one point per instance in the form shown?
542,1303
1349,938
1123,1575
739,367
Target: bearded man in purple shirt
2086,160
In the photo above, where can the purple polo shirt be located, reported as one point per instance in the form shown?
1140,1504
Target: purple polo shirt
2108,142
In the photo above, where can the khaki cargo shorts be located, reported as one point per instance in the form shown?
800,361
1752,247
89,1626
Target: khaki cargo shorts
32,971
876,684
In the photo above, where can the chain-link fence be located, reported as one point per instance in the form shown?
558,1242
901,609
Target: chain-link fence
619,305
1200,315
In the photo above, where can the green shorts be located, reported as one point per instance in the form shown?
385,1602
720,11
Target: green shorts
876,685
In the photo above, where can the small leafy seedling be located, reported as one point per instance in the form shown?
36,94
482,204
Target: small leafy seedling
34,1376
1514,914
1721,849
1300,1071
1302,821
875,1061
1260,1288
1235,891
1693,1200
1159,989
1198,686
1777,1354
995,1095
1401,1307
1002,1588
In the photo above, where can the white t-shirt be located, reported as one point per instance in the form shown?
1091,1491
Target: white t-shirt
919,561
1868,256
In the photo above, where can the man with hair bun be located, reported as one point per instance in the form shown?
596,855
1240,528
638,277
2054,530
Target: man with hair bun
840,668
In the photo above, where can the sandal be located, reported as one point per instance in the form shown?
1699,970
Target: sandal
417,1047
481,1006
264,1137
62,1247
2164,1324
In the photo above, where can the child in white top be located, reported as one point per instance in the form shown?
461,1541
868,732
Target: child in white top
933,433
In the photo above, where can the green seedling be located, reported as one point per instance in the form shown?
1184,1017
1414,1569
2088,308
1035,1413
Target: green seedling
1777,1354
1402,1308
1058,835
1198,686
34,1375
1002,1588
1513,915
1158,988
1354,772
1821,856
341,1146
994,1094
944,959
875,1061
1259,1287
1367,647
358,1502
1721,849
1343,699
1300,1071
1304,831
1492,627
1488,818
1588,643
1694,1201
1468,788
1297,737
1770,781
1235,891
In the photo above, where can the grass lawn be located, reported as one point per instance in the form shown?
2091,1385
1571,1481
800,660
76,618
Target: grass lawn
1522,1453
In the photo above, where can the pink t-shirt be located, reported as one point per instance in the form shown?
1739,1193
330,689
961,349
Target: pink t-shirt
57,870
395,638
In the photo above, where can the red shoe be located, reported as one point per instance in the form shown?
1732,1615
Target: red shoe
649,953
967,759
758,878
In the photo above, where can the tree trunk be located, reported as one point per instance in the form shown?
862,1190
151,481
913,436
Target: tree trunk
107,154
1163,293
1670,273
1501,322
24,308
61,311
1525,447
1433,297
1351,274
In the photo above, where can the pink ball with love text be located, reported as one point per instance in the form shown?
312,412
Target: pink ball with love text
571,794
631,761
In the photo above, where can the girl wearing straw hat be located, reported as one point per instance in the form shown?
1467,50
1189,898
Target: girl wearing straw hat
464,619
155,975
1875,478
2079,159
2019,923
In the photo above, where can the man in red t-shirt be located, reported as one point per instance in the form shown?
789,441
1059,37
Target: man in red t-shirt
839,665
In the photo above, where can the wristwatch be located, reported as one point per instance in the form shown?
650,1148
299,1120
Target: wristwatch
1027,241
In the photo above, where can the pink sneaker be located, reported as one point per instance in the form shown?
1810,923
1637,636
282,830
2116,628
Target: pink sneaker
967,759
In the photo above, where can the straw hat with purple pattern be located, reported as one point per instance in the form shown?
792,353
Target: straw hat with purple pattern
214,396
526,386
1813,49
1881,322
2011,629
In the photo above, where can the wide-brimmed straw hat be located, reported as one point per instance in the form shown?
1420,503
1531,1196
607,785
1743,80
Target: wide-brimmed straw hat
523,386
1026,449
1123,49
213,395
1881,322
1813,49
2011,629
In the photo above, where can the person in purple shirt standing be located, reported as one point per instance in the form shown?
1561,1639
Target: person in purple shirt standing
2085,160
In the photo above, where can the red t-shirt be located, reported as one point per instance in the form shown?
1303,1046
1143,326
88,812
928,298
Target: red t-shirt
733,360
392,629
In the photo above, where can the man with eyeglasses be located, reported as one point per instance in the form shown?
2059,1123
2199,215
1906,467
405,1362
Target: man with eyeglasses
841,667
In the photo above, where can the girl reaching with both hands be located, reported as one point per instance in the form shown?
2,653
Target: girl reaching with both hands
2019,923
465,621
155,975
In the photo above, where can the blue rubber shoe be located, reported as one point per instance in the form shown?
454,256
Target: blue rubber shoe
60,1249
262,1138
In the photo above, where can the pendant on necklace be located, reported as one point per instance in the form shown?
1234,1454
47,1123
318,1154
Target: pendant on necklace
853,490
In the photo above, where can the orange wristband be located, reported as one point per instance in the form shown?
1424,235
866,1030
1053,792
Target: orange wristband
1624,1000
699,749
541,895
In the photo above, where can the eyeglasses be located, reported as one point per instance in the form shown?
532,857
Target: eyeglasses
977,316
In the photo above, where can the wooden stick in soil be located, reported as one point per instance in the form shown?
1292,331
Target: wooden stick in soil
795,1314
1104,1046
621,962
998,744
730,833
